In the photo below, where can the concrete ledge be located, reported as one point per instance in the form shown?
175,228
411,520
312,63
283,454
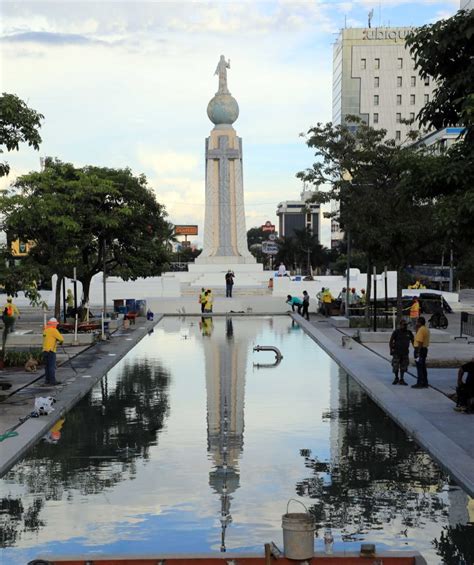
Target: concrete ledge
437,336
339,321
36,340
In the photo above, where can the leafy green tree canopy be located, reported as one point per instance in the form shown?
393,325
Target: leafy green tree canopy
18,124
444,51
85,217
256,236
374,180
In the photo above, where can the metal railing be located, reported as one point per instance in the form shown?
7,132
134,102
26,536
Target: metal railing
467,326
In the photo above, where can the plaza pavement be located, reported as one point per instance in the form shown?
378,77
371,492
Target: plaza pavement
427,414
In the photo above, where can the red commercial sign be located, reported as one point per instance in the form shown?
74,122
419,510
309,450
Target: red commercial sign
185,230
268,226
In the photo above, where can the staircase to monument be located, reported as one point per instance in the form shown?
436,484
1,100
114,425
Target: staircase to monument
262,290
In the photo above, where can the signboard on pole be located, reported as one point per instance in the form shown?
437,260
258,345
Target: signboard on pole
268,226
269,248
20,248
186,230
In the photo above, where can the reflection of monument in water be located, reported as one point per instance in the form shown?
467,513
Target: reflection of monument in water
226,360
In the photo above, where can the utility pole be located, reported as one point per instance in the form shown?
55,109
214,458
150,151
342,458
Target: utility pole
348,272
375,299
451,269
104,279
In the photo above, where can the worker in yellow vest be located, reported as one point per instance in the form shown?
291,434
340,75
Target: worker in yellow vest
327,299
51,337
415,310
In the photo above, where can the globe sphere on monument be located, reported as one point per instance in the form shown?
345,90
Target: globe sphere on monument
223,109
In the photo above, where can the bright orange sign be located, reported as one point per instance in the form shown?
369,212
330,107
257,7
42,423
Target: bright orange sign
185,230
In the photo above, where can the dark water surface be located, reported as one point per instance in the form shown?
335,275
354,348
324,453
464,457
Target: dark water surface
185,446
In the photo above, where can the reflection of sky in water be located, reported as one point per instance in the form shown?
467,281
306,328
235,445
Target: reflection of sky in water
83,495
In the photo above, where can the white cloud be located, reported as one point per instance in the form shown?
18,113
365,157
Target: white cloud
134,91
168,162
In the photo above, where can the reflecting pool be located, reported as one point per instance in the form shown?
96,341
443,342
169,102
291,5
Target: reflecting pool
187,446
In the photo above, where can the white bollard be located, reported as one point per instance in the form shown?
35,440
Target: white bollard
76,323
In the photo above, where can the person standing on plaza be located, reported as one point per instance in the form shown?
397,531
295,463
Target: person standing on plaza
305,307
229,283
282,270
327,302
202,299
208,302
319,296
51,337
399,350
294,301
465,390
70,303
421,344
10,314
415,309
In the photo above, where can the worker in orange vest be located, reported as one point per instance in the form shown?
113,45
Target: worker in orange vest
415,310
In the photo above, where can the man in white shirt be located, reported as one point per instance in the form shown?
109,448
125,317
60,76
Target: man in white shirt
281,270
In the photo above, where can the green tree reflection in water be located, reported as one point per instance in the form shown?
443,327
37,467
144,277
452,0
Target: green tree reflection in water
102,439
456,544
375,474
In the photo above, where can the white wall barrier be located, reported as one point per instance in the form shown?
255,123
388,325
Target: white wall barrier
282,286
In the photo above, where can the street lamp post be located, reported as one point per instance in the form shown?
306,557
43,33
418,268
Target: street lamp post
348,272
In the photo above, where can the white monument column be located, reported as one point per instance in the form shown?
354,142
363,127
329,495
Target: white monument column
225,236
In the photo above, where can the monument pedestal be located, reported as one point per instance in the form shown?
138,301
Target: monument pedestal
225,236
212,275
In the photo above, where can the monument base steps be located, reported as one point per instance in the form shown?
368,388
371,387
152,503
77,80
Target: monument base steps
188,290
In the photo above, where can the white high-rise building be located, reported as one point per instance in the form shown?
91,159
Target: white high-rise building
374,78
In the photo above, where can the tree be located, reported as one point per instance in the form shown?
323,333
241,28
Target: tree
256,236
445,51
287,253
309,252
18,124
374,181
86,218
23,275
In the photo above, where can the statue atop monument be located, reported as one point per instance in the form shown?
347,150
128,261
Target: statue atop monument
221,71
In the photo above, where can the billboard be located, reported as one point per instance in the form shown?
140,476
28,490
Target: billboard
268,226
20,248
186,230
269,248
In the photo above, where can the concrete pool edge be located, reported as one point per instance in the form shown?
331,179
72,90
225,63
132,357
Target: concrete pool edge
374,375
76,387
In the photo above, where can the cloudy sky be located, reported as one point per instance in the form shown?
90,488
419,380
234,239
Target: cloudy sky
128,83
